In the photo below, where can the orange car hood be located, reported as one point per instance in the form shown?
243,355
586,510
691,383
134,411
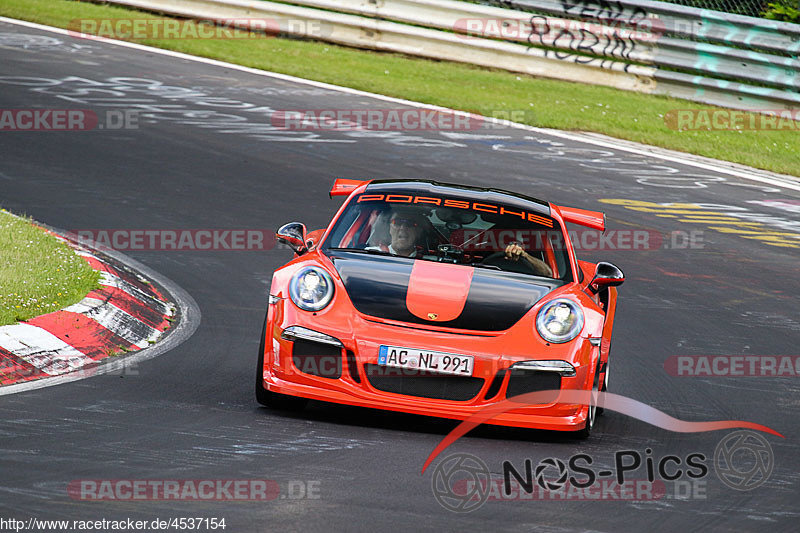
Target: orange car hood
427,292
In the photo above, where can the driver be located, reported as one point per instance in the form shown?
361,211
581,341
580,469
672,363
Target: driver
405,230
514,252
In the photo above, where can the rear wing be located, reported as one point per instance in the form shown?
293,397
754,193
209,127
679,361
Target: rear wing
344,186
590,219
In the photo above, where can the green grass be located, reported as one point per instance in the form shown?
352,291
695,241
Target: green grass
540,102
38,273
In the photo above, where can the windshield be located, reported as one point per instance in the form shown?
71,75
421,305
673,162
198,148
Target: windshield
453,230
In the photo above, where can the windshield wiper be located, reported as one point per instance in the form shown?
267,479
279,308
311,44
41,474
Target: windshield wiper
425,257
481,265
364,251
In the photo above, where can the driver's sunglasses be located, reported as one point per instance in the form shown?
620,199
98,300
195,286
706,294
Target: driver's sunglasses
407,222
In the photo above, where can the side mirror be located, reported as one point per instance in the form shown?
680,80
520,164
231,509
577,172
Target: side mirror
606,275
293,234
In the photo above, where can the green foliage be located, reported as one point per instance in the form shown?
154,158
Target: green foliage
39,274
784,11
750,8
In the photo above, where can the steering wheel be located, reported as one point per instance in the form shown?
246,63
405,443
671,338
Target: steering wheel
520,266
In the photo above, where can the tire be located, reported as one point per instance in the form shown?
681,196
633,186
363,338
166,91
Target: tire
268,398
591,416
604,388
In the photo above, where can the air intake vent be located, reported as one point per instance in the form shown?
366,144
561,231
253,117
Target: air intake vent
423,384
524,381
317,359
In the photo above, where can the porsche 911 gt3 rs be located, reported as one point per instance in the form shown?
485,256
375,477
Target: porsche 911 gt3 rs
440,300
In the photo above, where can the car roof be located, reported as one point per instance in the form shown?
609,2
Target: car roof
479,194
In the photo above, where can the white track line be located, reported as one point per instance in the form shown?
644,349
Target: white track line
776,180
116,320
110,280
42,349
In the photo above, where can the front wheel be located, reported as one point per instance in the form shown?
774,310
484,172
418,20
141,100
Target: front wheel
593,409
604,388
266,397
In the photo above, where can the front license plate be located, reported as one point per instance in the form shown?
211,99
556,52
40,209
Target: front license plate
441,362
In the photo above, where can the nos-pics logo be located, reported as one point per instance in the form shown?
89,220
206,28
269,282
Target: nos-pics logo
461,483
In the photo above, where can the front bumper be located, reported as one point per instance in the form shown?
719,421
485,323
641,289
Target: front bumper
340,374
406,404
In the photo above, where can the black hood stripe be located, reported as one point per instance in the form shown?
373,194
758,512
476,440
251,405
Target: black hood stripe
377,285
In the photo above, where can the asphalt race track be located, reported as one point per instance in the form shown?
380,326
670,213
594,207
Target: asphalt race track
203,155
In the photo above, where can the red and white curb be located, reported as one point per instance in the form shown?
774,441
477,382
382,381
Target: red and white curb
126,313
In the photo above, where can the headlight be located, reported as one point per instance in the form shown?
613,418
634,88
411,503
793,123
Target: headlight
311,288
559,320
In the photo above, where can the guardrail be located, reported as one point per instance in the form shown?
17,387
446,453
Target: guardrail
722,47
686,22
639,45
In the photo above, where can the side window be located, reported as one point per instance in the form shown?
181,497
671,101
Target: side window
344,229
556,240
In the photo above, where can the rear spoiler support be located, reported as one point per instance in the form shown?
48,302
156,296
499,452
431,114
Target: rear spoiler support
344,186
590,219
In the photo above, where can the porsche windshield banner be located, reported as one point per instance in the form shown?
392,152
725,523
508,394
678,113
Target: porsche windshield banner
456,203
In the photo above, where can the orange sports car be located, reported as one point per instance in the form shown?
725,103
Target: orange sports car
440,300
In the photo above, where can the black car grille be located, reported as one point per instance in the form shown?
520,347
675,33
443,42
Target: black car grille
524,381
423,384
317,359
